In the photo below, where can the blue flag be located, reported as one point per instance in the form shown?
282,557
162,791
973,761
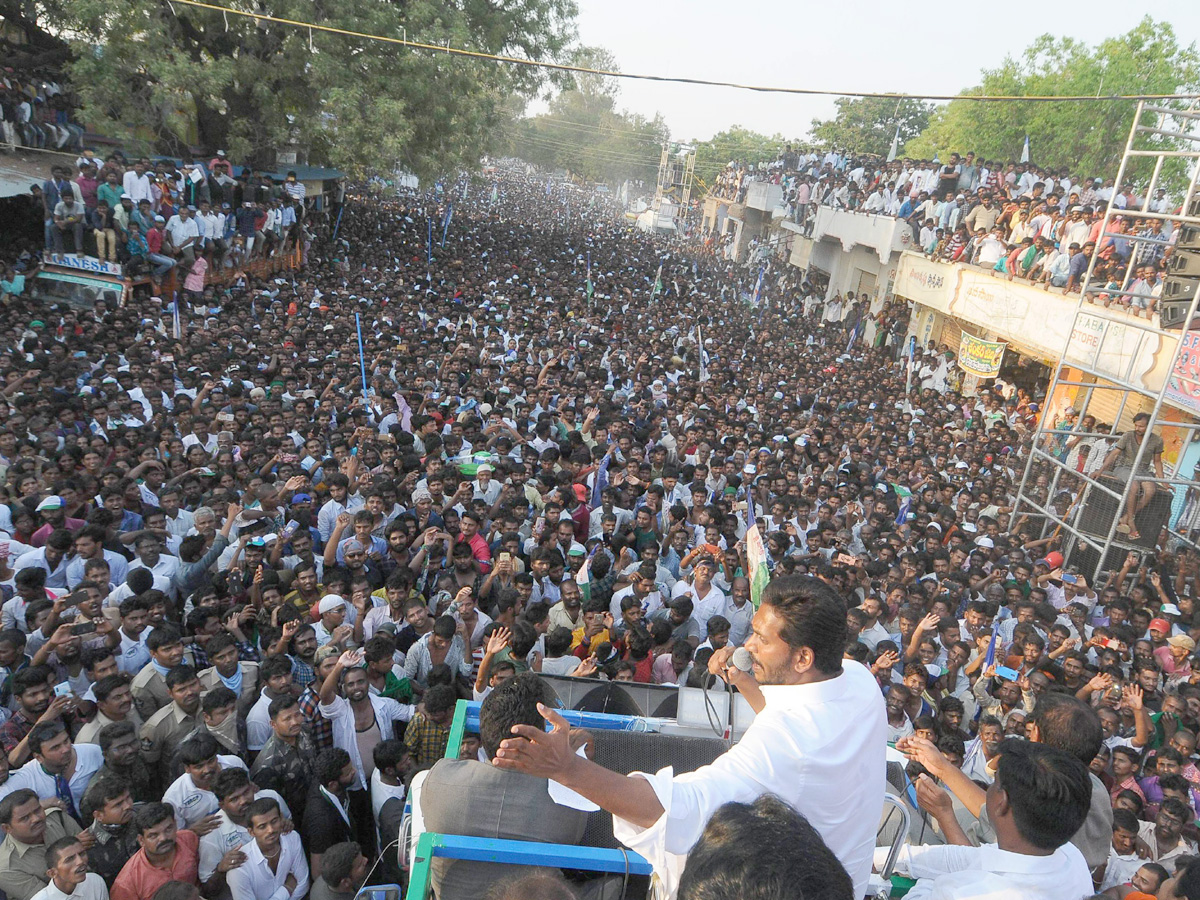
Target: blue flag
601,480
990,657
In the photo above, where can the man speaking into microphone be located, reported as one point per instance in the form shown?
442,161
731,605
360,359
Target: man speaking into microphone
818,742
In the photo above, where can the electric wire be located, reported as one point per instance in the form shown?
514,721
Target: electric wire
641,76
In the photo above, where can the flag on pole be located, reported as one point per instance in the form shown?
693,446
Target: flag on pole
600,482
446,221
990,657
1025,150
904,495
756,556
176,323
703,375
758,286
429,244
495,192
589,275
584,578
657,282
895,145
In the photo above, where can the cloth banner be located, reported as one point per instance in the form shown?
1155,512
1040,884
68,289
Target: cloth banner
979,357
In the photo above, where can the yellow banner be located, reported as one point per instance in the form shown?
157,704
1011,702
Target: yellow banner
980,358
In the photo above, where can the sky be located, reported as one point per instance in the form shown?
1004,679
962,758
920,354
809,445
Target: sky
868,46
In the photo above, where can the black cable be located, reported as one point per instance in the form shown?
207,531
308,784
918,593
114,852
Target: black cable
710,709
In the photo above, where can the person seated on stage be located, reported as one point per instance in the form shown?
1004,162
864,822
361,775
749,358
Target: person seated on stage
477,799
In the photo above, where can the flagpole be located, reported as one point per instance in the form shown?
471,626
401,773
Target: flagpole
362,360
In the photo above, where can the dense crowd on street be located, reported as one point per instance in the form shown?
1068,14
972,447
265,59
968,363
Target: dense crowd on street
247,573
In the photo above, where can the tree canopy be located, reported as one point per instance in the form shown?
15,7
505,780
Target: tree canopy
164,76
868,124
584,132
1086,137
735,143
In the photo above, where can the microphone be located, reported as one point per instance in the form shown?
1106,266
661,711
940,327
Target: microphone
741,659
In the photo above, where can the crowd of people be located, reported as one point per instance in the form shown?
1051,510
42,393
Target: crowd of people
156,215
247,573
37,111
1018,220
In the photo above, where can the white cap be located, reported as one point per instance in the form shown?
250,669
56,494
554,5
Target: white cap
329,603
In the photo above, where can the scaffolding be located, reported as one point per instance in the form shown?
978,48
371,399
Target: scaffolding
1118,366
676,172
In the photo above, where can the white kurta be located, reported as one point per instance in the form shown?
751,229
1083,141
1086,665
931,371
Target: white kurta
989,873
820,747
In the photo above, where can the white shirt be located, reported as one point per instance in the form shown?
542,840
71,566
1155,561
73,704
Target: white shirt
739,621
92,888
873,635
192,803
254,880
989,873
341,715
181,525
819,747
118,568
229,835
132,655
137,187
258,722
703,608
88,760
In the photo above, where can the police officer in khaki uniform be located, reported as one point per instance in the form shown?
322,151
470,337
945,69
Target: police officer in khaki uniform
168,727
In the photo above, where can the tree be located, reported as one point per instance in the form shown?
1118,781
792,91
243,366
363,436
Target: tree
868,124
165,76
1086,137
735,143
585,133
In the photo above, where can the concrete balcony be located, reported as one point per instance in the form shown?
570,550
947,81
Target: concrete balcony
763,196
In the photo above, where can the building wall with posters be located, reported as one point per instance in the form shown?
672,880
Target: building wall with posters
1035,323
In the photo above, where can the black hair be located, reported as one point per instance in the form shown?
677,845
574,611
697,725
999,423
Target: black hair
100,792
27,679
338,862
218,698
150,814
113,732
813,616
329,764
228,782
763,850
1068,724
8,805
103,688
514,702
1049,791
43,732
388,755
178,675
197,749
55,851
280,704
440,698
263,806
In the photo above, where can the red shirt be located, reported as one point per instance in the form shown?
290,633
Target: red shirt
154,239
39,537
138,880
